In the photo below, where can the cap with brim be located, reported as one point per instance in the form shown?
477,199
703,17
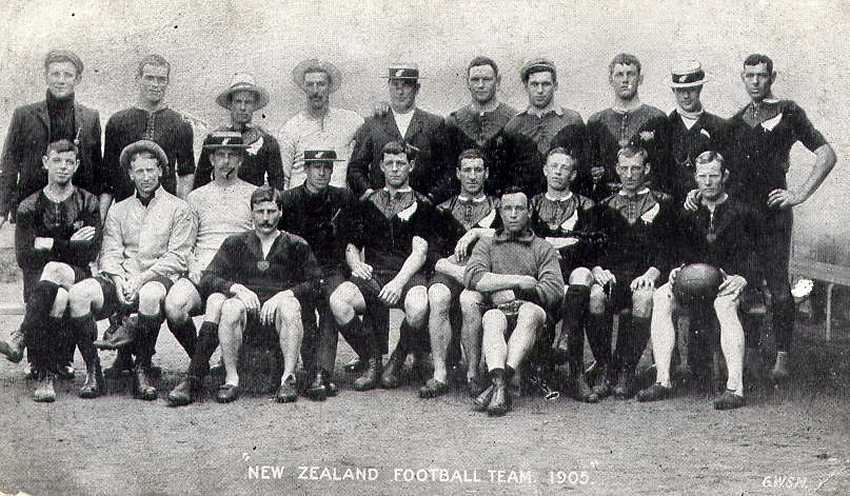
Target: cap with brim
316,65
225,139
142,145
312,156
403,71
687,74
539,62
243,82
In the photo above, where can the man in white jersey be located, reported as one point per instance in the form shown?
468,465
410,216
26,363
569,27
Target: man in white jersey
221,208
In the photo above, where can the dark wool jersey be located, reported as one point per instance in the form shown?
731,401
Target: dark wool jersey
639,232
724,239
317,218
572,218
166,127
261,158
290,264
761,140
542,129
607,132
709,132
457,215
386,224
40,217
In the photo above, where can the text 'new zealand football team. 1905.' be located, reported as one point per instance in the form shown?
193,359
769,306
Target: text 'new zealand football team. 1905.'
505,237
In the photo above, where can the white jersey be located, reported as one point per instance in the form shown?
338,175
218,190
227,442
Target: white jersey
221,211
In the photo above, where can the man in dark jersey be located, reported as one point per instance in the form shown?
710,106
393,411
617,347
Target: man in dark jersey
270,276
262,155
56,237
566,220
512,158
465,218
639,228
314,210
36,125
720,233
762,134
150,118
612,128
394,226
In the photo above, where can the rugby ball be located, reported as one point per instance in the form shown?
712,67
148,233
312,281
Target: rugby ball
697,281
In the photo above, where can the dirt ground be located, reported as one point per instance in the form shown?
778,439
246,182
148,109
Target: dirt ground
793,440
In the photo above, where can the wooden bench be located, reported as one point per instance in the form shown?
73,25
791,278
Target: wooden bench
828,273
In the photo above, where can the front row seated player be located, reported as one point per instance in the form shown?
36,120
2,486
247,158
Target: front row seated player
566,220
56,237
268,276
719,233
394,225
465,218
638,225
518,280
315,211
147,239
222,208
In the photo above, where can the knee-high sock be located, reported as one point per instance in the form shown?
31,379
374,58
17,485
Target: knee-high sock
185,333
205,346
309,338
149,326
574,315
84,331
41,345
84,339
599,332
639,338
360,339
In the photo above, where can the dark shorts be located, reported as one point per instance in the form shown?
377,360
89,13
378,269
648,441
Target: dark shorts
455,288
111,304
621,293
370,289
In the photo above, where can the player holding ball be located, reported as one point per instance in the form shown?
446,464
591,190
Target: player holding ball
718,258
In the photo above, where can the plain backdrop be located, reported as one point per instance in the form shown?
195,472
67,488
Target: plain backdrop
209,41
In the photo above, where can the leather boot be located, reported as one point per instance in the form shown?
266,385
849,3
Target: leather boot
391,377
316,391
371,376
95,384
500,402
44,392
185,392
142,386
14,348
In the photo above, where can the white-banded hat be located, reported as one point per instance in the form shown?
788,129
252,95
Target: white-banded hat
687,74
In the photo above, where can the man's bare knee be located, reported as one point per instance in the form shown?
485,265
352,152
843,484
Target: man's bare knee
81,296
439,298
581,276
232,311
531,314
58,272
151,296
416,303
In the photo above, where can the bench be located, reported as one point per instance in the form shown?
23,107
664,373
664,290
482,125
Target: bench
828,273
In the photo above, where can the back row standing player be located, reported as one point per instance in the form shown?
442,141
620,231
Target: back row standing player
32,128
762,134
